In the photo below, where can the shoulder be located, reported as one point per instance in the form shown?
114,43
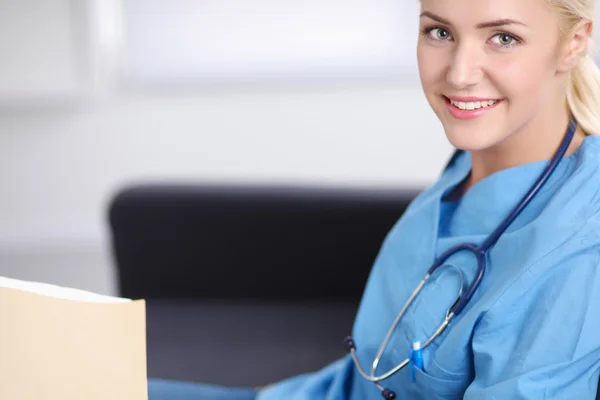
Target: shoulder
560,249
573,208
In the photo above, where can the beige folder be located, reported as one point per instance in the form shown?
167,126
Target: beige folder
61,345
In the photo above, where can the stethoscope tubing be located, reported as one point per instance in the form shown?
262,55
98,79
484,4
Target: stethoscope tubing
479,251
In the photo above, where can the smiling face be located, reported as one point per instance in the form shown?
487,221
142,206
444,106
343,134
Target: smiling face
489,68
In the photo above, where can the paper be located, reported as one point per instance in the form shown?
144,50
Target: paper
67,344
58,291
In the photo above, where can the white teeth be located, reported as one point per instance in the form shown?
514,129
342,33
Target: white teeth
473,105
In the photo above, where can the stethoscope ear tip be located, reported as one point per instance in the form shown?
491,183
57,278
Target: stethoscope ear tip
349,344
388,394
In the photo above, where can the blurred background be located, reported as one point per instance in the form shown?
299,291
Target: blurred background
318,101
98,94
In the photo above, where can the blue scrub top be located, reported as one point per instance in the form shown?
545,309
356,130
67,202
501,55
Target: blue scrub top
532,329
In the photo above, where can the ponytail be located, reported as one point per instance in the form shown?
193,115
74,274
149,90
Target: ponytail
583,95
583,90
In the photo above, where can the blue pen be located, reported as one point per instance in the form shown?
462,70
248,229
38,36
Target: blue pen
416,358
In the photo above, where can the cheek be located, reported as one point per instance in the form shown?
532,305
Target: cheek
431,67
522,79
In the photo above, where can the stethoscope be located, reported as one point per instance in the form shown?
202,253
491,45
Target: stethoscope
479,251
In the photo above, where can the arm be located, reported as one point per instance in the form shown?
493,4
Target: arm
541,340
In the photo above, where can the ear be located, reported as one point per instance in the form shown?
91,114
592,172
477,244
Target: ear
575,45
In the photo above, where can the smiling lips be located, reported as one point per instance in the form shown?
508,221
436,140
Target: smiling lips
470,107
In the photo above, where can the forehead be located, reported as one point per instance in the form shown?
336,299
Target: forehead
468,13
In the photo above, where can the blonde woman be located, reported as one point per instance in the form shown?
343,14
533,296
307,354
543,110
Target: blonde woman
515,90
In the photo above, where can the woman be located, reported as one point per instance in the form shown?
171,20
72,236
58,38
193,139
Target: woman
507,79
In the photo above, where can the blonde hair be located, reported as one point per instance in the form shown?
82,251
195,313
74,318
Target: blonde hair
583,90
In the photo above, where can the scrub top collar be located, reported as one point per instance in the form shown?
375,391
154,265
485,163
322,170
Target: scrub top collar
485,204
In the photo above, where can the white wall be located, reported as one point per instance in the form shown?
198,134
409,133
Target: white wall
60,165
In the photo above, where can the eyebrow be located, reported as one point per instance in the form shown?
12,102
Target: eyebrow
483,25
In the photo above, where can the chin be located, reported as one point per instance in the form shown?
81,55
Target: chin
470,138
472,135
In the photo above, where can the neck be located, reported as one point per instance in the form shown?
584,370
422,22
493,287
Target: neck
536,141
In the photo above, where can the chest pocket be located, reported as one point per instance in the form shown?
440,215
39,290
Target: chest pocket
427,386
431,383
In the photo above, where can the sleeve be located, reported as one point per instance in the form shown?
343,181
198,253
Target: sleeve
327,383
541,339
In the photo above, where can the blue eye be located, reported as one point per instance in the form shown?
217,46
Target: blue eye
504,40
437,33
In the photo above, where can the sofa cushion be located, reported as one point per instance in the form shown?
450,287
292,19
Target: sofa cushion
249,343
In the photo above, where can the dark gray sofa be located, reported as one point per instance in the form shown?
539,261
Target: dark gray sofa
247,285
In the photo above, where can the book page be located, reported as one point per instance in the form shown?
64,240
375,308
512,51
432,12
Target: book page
61,292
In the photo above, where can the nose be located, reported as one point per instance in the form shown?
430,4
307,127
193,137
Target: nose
465,67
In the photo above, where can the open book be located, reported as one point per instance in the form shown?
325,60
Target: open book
65,343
